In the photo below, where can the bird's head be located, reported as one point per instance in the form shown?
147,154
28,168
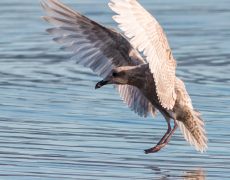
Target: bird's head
116,76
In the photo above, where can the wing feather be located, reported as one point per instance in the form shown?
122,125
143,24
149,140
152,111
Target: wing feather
137,102
96,47
147,35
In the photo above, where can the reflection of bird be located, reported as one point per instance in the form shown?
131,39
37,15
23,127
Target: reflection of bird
143,83
195,175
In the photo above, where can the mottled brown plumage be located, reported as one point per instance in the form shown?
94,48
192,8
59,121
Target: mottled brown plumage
145,84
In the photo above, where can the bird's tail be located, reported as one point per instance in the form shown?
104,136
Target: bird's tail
192,127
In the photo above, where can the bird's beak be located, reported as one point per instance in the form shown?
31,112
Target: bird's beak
101,83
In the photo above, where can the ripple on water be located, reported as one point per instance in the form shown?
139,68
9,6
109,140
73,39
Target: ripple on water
54,125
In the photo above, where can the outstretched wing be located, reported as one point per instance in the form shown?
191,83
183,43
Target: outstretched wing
94,46
147,35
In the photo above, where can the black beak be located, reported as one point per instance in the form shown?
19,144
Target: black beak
100,84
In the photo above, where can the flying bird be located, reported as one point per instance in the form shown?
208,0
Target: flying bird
139,63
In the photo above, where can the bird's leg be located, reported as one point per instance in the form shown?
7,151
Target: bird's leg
153,149
166,134
171,133
164,140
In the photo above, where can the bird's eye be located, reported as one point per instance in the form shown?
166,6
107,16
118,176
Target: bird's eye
115,74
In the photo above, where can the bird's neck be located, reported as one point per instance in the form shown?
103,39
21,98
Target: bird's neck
137,75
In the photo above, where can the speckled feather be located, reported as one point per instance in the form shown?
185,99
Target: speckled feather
146,34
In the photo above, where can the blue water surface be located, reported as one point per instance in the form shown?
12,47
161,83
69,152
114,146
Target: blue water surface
54,125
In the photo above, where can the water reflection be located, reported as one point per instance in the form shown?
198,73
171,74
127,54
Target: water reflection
197,174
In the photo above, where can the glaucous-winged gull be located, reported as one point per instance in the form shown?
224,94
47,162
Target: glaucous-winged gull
146,83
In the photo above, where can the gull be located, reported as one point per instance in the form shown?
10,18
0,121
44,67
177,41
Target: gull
138,62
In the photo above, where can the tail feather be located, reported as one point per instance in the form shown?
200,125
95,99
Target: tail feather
189,120
192,127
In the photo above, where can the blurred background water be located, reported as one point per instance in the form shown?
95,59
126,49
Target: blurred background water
54,125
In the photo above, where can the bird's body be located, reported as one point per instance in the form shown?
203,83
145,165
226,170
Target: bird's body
141,77
146,84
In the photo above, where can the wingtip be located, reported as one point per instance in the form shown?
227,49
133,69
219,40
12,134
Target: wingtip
50,30
43,4
45,18
110,4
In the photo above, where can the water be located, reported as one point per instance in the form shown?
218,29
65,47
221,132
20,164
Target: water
54,125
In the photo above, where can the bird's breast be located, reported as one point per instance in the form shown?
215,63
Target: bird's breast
149,90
